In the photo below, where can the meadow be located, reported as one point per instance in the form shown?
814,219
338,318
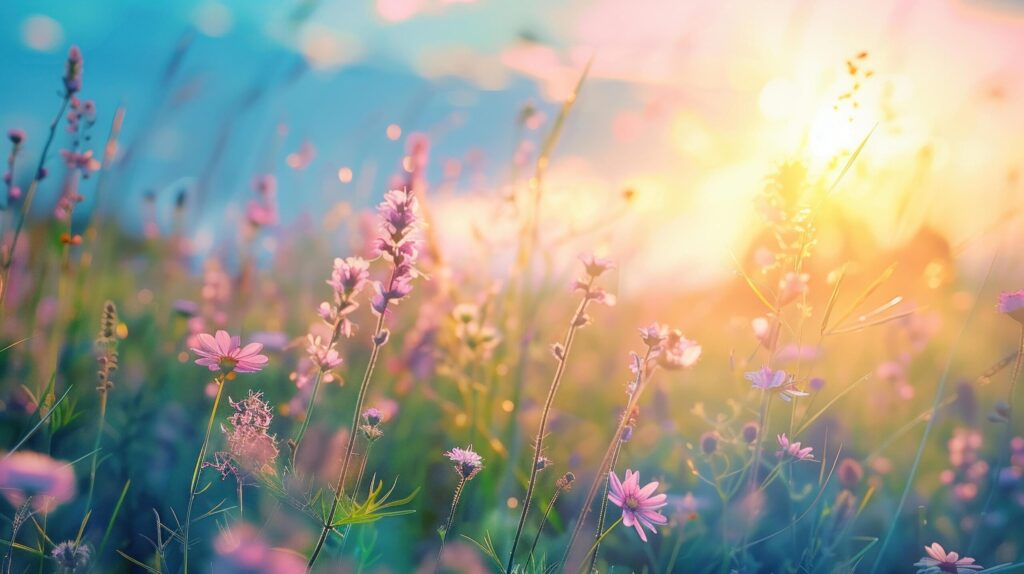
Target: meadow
447,374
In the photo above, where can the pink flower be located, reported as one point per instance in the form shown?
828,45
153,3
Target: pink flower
938,560
678,352
224,353
242,548
639,505
768,380
73,71
791,286
1012,303
596,266
47,481
793,449
467,462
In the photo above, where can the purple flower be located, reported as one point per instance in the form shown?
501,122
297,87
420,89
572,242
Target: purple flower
793,449
47,481
73,71
938,560
768,380
467,462
71,556
373,416
639,505
654,335
224,353
1012,303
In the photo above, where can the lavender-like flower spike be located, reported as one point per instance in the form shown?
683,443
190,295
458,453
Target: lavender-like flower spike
1012,304
399,220
73,71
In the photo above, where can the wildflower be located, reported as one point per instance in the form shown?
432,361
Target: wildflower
767,380
678,352
791,286
16,136
709,442
639,507
224,353
262,210
654,335
467,462
749,432
73,71
793,449
323,356
71,556
596,266
241,549
850,473
938,560
48,482
373,416
248,442
565,481
1012,304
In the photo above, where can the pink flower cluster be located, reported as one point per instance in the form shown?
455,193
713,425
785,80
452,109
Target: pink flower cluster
249,444
262,210
968,470
399,220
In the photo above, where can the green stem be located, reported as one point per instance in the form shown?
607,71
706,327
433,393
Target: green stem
604,507
312,400
544,521
598,541
542,427
339,490
27,204
640,381
448,523
219,381
96,446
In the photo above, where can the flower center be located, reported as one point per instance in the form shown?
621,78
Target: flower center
227,364
632,502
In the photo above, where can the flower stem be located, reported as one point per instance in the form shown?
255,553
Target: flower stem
539,441
96,447
219,381
604,507
547,512
339,490
640,381
27,204
312,399
600,538
448,523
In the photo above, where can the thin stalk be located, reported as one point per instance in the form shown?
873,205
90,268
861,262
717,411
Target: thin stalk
29,195
542,428
312,399
544,521
96,446
241,505
219,381
339,490
936,403
1005,452
600,538
604,507
448,523
641,380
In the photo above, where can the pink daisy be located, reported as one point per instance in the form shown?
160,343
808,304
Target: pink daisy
47,481
639,507
938,560
224,353
793,449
